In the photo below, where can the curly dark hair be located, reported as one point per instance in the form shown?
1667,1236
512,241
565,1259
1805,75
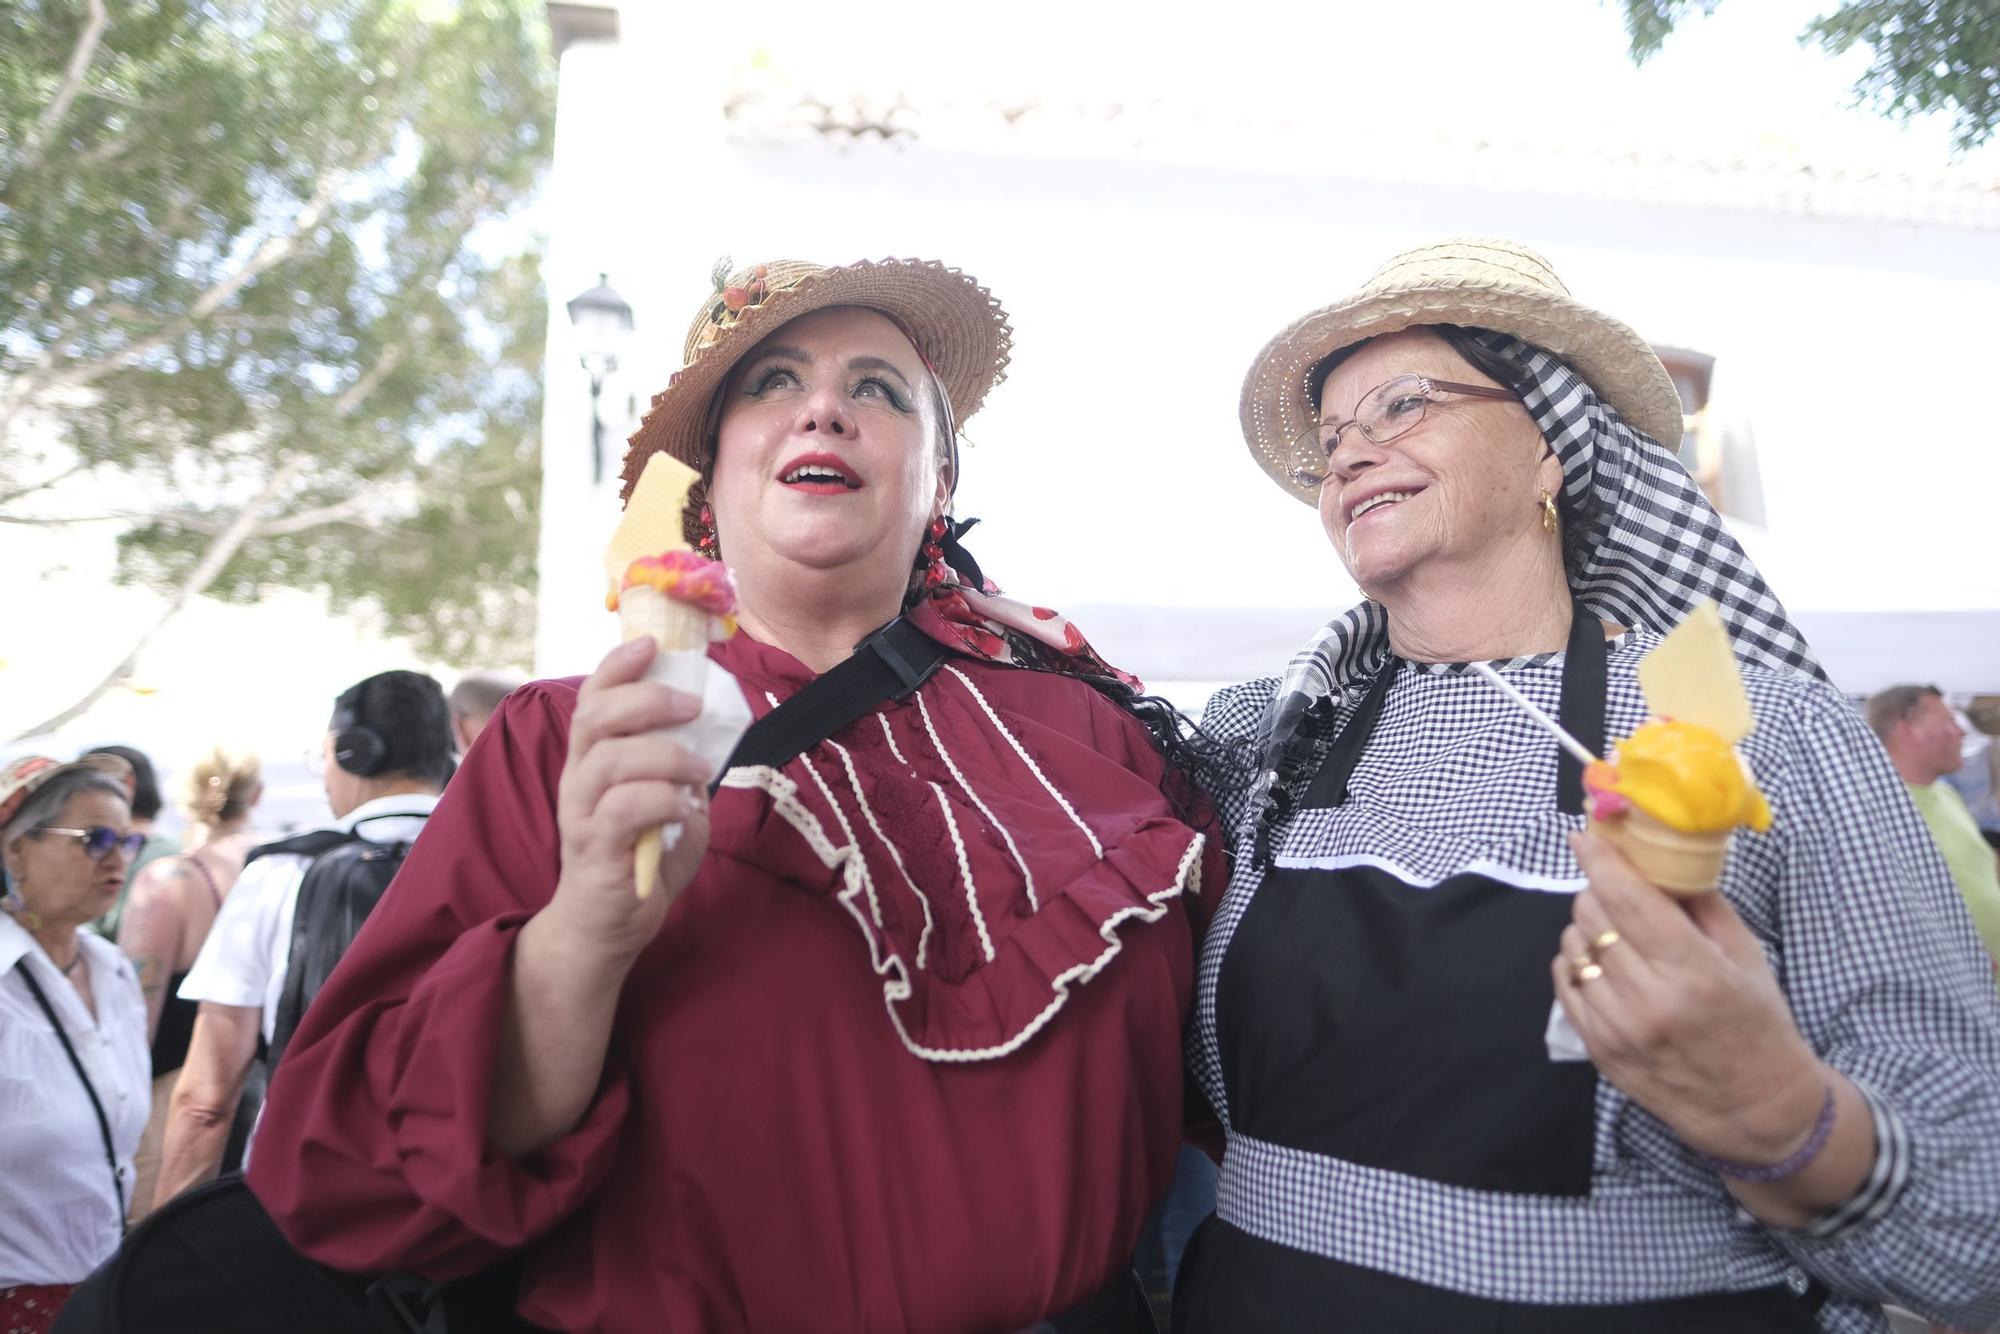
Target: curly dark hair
1178,739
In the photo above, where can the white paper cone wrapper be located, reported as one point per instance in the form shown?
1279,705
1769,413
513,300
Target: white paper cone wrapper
1561,1038
723,719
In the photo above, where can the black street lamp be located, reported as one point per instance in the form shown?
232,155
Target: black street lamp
602,320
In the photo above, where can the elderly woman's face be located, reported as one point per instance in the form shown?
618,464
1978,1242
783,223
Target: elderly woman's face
55,874
1456,490
826,454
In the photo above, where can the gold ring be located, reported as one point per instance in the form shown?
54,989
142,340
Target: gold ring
1604,942
1585,972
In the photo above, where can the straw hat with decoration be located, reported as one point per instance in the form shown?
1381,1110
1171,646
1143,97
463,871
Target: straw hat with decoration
957,327
1476,282
24,777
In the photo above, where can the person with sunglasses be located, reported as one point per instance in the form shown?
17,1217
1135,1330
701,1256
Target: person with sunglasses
74,1071
1475,1070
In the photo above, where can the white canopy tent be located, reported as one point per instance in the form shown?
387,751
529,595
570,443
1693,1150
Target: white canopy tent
1870,627
1185,652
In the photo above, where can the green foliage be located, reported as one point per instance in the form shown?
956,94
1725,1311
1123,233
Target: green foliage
1928,55
235,234
1649,22
1943,55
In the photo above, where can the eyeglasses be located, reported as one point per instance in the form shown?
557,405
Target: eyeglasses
1386,411
315,758
99,840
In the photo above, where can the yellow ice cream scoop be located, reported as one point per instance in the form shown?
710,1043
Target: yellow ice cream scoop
1685,776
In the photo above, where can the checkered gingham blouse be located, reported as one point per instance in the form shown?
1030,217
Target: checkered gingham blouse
1857,913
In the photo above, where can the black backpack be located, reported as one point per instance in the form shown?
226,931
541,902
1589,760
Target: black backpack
347,878
211,1261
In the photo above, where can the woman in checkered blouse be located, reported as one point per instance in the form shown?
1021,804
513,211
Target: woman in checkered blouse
1773,1108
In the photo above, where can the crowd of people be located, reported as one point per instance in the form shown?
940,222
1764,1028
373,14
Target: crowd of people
149,965
917,1024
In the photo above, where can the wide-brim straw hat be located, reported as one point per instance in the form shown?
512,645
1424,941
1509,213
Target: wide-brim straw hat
958,326
1479,282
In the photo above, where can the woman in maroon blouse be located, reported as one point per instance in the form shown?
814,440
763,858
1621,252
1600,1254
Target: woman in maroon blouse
898,1045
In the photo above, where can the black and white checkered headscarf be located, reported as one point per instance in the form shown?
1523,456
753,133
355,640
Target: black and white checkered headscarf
1659,547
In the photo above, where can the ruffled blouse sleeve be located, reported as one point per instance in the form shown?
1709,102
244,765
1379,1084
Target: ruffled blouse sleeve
998,839
372,1153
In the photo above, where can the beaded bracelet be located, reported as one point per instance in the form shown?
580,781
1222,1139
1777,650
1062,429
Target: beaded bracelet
1822,1131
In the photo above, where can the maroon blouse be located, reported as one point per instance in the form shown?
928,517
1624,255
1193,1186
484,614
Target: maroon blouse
906,1055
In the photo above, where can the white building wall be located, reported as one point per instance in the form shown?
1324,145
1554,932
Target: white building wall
1109,467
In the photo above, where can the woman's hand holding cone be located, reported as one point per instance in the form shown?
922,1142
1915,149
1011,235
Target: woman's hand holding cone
1684,1014
625,777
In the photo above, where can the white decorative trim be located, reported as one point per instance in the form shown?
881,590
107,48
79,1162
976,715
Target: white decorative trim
874,904
964,870
890,737
889,966
1507,875
1027,876
1033,768
895,854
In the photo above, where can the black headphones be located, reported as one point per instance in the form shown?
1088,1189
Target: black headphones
357,747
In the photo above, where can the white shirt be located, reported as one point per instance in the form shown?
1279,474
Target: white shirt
243,961
59,1213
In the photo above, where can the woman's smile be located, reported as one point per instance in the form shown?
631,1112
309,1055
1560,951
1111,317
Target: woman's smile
1376,500
821,474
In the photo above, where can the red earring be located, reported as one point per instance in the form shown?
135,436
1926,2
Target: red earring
935,571
706,542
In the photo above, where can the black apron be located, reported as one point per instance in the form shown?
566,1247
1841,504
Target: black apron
1403,1028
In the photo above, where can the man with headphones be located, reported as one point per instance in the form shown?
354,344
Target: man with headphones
387,753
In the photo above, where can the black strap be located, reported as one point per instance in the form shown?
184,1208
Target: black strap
889,664
76,1063
315,843
312,843
1329,786
1585,683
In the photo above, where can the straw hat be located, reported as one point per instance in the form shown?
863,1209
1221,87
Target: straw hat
958,326
1475,281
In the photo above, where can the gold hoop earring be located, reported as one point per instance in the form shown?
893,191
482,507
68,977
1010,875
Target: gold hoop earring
1548,511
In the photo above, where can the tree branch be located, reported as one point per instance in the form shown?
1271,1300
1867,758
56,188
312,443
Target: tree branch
198,579
9,497
62,520
37,140
274,250
319,518
355,394
479,481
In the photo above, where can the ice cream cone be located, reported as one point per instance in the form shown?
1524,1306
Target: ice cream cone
681,632
1675,860
668,622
